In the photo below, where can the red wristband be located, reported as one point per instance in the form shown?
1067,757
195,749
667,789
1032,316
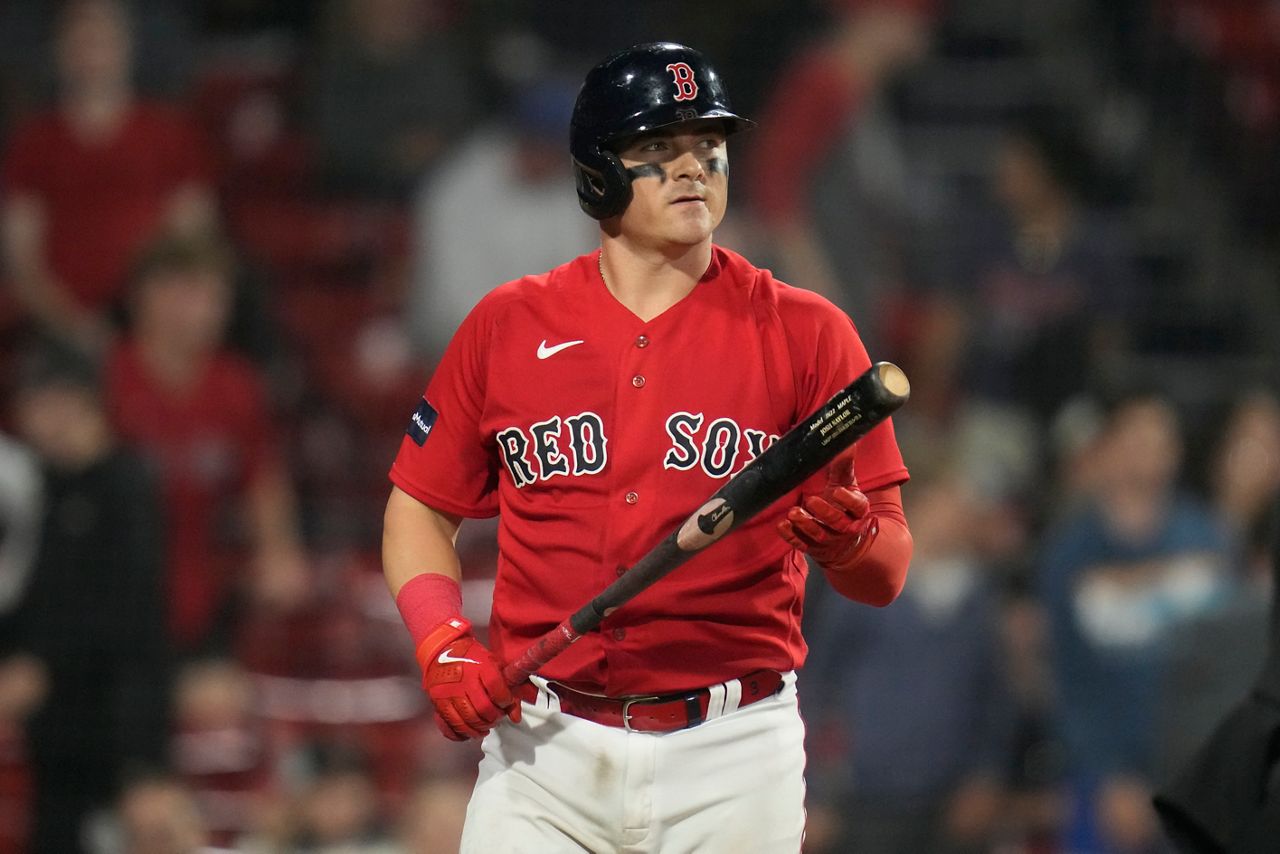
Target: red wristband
427,600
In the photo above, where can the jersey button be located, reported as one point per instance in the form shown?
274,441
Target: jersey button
637,381
631,498
642,341
622,570
619,634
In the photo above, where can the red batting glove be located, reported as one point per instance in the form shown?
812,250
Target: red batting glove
834,527
464,682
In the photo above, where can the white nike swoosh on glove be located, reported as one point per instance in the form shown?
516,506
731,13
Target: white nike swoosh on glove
446,658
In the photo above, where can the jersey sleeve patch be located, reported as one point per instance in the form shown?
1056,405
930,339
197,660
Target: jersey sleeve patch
421,422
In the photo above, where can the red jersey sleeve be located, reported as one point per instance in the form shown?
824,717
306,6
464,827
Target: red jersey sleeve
826,355
445,461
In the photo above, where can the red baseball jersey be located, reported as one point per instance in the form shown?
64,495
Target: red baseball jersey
104,199
594,433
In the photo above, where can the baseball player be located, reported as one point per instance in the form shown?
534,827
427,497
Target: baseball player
593,408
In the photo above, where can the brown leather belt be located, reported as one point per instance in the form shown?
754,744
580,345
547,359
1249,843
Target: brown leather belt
658,713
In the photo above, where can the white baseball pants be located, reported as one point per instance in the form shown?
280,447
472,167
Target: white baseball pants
556,783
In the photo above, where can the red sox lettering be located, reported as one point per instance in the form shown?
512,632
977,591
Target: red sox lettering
720,451
585,452
577,446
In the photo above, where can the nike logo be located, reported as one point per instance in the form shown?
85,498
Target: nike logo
446,658
545,352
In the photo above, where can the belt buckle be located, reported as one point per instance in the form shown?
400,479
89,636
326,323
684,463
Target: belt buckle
626,710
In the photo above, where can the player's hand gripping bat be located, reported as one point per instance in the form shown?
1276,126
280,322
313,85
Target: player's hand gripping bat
848,416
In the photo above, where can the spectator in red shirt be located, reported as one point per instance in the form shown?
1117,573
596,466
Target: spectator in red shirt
90,181
809,112
200,412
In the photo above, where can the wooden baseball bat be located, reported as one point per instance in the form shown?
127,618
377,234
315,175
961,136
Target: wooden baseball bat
848,416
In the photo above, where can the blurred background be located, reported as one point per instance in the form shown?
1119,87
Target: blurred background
236,235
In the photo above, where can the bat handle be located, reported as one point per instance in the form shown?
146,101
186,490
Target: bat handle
539,653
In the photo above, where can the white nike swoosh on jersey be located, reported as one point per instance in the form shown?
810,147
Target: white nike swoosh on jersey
446,658
545,352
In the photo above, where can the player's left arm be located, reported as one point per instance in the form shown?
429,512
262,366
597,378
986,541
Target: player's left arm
860,539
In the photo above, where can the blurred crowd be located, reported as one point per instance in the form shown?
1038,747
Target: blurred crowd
236,236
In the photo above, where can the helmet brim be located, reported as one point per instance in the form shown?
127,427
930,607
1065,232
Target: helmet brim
733,124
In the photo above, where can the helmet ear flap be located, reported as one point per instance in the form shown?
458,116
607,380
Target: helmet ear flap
604,187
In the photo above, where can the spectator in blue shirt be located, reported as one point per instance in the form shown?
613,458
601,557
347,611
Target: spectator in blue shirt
1135,561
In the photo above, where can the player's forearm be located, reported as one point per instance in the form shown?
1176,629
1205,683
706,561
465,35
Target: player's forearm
417,539
462,678
879,573
879,576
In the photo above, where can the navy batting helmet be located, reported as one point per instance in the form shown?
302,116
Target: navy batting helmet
644,87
